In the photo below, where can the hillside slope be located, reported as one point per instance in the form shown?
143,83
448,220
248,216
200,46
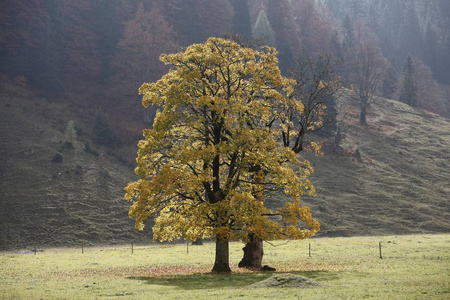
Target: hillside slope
390,177
45,203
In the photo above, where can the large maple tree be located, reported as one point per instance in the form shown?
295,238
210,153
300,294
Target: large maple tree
217,146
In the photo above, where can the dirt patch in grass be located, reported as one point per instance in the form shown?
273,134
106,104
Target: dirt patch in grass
286,281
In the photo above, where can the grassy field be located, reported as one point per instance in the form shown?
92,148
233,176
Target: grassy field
413,267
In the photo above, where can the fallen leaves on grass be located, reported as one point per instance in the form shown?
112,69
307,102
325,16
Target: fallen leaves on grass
161,271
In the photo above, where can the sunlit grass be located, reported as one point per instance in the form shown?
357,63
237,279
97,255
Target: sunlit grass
413,267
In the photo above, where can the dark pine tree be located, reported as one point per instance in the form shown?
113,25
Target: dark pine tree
107,29
408,90
329,127
286,34
103,135
241,21
389,85
349,34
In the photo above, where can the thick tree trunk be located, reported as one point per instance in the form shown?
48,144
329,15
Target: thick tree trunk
253,250
222,262
253,253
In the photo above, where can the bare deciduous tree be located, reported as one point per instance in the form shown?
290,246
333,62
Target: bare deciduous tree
366,67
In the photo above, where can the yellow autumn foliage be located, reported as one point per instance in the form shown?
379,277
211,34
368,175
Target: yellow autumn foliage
217,145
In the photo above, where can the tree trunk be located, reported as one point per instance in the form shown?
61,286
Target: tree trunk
362,116
222,262
198,242
253,253
253,250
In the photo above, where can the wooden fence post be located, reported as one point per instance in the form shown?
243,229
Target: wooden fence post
379,245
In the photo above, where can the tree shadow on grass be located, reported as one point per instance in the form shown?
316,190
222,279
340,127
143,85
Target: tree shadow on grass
215,281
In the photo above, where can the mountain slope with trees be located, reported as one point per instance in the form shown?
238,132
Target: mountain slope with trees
58,187
387,177
83,61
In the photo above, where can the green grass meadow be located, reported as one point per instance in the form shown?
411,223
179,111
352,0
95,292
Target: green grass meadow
412,267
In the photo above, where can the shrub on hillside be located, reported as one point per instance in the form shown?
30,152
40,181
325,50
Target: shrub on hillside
57,158
103,135
88,149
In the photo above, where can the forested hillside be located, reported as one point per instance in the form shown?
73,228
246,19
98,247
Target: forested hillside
97,53
71,115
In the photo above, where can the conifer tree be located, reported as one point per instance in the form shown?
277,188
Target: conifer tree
107,31
263,31
349,34
389,86
408,88
103,134
70,132
281,18
241,19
